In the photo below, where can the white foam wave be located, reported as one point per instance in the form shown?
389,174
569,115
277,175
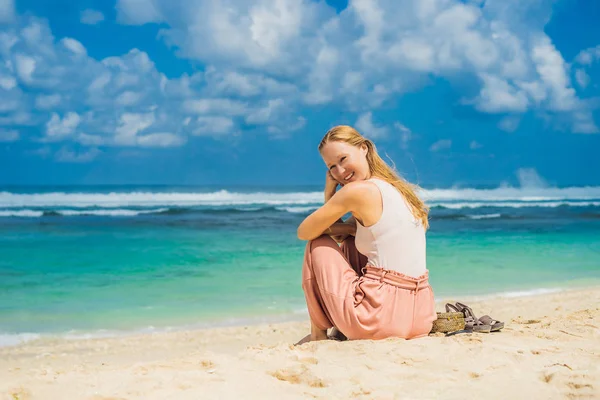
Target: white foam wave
485,216
552,204
68,213
514,194
149,199
452,198
21,213
532,292
13,339
296,210
110,213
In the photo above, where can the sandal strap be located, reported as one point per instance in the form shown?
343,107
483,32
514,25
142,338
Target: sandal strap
486,319
466,310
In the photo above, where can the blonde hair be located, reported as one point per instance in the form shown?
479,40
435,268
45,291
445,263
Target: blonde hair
379,168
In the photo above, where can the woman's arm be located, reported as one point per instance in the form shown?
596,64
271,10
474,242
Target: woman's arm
339,231
341,228
346,200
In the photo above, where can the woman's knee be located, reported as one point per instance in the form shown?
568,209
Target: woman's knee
323,240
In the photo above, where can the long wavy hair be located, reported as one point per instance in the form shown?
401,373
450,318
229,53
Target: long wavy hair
379,168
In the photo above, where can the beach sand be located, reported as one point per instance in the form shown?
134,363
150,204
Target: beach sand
549,349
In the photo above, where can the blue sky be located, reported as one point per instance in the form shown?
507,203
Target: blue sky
240,92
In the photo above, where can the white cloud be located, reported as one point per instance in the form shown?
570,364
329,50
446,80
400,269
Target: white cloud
100,82
128,98
510,123
74,46
9,104
207,126
588,56
416,53
9,135
221,106
442,144
474,145
160,139
7,82
46,102
90,140
284,130
130,124
274,23
552,70
265,114
53,73
584,123
498,96
265,34
585,59
7,11
364,124
583,79
405,134
130,132
58,129
529,178
91,17
320,88
69,156
25,67
245,84
263,60
138,12
18,118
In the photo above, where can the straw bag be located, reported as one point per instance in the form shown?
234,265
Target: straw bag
448,322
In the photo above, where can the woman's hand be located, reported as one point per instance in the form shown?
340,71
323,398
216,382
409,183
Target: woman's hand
330,186
341,230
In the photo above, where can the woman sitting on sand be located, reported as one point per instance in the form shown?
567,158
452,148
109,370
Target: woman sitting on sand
376,285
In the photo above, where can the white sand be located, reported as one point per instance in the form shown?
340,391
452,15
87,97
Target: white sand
549,349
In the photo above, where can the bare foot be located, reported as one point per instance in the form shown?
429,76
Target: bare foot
303,340
315,334
312,338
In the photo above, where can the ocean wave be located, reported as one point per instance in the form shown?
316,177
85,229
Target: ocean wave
512,194
13,339
466,207
120,212
297,210
109,213
500,204
71,213
150,199
21,213
136,203
531,292
485,216
507,195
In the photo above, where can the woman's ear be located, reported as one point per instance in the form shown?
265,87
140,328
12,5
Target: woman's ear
364,149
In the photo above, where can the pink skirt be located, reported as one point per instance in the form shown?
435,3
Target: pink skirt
362,301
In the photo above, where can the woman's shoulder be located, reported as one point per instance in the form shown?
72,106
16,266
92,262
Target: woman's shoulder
364,191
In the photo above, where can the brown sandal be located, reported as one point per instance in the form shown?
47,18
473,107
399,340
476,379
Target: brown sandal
496,325
471,321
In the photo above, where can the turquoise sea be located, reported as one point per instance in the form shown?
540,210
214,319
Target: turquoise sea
81,261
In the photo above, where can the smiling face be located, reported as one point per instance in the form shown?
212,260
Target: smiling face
346,163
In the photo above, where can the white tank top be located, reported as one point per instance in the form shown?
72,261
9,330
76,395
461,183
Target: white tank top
397,241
